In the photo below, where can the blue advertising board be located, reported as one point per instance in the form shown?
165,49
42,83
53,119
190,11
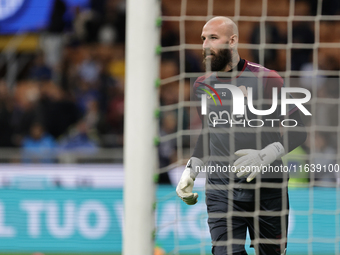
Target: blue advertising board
61,220
90,220
19,16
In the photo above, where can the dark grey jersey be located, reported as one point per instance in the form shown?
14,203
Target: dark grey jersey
229,132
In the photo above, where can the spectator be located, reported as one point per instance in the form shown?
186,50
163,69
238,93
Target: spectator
25,111
85,26
92,115
52,41
6,110
108,28
78,140
87,85
40,71
38,146
115,116
57,110
112,29
85,93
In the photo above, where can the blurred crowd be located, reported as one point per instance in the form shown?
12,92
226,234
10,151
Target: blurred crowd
70,94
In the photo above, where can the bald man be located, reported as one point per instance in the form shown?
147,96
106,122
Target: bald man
240,149
216,35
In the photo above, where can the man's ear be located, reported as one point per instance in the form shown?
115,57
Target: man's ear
233,41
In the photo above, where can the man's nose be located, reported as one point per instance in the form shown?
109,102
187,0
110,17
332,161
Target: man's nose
206,45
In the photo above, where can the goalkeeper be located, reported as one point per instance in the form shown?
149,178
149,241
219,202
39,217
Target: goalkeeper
246,148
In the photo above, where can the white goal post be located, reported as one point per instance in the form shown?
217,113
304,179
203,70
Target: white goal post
140,127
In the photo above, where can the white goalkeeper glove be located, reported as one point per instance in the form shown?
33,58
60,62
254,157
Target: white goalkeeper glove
252,161
186,183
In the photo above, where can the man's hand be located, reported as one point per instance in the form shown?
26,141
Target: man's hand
186,183
252,161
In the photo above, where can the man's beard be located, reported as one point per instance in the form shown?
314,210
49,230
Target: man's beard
218,61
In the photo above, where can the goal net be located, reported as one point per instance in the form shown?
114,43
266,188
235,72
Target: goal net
300,39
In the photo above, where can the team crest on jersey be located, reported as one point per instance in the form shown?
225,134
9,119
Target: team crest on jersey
209,97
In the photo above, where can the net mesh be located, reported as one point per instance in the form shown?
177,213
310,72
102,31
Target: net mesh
300,40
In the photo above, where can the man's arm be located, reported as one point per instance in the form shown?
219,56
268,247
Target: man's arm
202,143
186,183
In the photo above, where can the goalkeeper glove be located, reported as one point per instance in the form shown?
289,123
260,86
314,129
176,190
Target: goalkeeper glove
252,161
186,183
